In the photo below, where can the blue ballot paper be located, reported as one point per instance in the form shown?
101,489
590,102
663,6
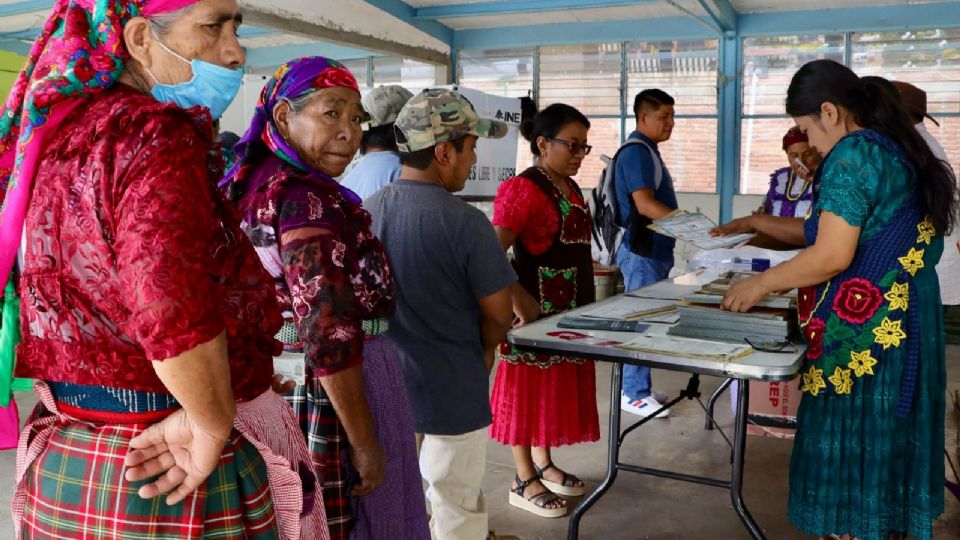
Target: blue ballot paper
590,323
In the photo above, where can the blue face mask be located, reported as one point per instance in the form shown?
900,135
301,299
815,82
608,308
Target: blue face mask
212,86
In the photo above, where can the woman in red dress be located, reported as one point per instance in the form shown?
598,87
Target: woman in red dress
542,401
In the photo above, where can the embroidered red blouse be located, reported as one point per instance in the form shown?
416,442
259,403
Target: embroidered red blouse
132,256
523,208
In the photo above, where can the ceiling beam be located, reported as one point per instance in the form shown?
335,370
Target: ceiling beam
583,32
874,18
291,23
518,6
260,58
723,13
407,14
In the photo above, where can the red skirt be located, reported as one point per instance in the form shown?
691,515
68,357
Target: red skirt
545,406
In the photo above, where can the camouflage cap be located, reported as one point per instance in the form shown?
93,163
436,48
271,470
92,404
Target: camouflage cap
439,115
383,104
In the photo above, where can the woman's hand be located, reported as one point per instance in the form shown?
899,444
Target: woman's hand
180,451
737,226
370,463
280,386
525,306
745,294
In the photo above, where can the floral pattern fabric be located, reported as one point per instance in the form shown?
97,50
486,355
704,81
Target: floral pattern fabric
132,256
553,261
850,321
329,270
78,54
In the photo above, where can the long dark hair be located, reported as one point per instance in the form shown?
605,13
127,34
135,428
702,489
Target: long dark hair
548,122
875,104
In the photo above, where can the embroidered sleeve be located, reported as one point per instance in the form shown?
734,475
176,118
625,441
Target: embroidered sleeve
527,212
771,192
317,263
166,232
849,182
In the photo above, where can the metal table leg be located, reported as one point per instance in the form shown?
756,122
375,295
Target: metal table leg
739,450
613,454
713,401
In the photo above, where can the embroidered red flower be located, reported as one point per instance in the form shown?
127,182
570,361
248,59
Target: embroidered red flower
559,291
857,300
576,226
805,302
83,70
336,77
814,334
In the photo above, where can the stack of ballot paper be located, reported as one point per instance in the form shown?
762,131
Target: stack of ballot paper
628,308
690,348
694,228
774,320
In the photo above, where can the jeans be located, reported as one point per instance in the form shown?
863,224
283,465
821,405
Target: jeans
639,272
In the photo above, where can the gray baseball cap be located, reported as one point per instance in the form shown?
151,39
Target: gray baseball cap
383,104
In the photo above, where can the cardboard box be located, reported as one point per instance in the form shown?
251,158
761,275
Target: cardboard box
773,409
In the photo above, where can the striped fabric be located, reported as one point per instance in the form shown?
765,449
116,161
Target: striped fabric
327,443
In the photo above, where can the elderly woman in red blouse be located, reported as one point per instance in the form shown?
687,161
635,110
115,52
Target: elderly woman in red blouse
146,316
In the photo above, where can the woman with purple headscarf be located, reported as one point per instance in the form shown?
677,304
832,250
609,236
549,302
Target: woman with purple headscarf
334,286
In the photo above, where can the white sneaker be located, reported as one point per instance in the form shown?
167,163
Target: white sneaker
642,407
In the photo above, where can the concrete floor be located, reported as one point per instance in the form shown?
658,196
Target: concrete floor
641,507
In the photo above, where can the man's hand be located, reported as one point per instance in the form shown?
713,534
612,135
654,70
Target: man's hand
370,463
180,451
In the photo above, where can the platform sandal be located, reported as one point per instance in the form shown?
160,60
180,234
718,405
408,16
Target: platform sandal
569,485
536,504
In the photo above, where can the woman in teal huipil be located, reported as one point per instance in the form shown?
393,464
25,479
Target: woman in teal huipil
868,456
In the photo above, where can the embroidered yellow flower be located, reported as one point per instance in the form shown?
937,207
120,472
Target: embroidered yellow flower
862,363
889,333
912,261
926,230
813,380
899,296
842,383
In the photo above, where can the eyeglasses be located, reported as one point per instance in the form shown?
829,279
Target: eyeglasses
773,346
575,148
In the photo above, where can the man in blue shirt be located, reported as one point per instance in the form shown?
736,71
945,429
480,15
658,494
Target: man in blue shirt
644,191
380,164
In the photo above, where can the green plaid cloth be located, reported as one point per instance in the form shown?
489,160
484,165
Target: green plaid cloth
75,489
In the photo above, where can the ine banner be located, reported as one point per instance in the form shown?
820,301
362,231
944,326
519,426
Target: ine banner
496,158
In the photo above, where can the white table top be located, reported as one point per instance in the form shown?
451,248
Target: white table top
544,335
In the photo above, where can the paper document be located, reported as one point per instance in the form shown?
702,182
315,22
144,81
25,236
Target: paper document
694,228
686,347
627,307
665,290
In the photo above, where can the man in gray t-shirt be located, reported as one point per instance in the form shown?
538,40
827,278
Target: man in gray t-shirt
453,300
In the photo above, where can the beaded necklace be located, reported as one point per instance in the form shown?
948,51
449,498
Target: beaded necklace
791,179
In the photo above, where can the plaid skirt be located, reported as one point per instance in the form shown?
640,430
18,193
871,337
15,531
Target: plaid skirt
327,443
70,481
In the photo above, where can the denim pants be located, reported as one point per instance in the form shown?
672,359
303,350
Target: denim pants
639,272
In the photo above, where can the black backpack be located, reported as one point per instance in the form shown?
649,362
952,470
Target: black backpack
608,225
